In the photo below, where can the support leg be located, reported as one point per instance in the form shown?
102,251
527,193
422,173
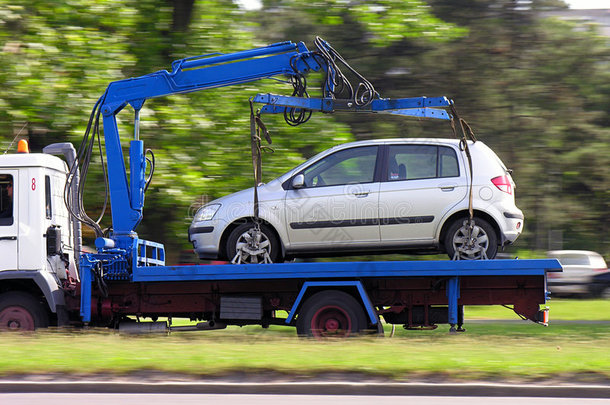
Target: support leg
86,281
460,324
453,293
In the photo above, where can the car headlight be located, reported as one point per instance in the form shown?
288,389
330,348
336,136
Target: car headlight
206,213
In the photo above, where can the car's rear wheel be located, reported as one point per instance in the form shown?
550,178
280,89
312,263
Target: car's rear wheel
602,292
246,245
463,243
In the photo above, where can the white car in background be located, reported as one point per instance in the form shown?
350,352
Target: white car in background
579,269
369,197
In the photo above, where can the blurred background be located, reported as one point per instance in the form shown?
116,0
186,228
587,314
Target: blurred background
531,77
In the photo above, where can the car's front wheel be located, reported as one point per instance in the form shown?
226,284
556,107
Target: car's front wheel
471,243
247,245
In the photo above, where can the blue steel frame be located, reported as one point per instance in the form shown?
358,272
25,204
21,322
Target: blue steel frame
363,297
345,270
420,107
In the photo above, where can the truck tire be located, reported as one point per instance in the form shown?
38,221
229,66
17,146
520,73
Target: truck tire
240,235
331,313
485,238
22,311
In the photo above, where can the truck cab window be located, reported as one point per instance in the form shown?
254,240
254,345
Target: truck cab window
47,197
6,200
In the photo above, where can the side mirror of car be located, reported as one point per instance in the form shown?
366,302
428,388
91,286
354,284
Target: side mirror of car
298,181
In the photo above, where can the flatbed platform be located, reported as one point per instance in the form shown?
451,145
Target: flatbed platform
334,270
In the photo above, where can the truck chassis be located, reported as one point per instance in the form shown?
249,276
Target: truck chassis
320,299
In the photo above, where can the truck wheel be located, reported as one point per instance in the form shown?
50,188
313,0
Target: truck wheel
252,252
21,311
483,239
331,314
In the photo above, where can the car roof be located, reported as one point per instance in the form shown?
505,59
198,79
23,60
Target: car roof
451,141
572,252
373,142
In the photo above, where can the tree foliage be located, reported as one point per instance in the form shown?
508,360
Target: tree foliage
535,89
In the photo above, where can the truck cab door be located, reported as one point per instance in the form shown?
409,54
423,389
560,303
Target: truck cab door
9,219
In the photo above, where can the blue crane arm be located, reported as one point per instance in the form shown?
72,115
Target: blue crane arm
187,75
414,106
209,71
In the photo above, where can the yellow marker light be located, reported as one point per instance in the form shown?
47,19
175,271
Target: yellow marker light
23,147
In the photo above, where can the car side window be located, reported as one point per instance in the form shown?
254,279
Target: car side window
413,162
348,166
447,162
6,200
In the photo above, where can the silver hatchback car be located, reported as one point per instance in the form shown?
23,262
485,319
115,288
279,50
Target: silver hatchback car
579,269
369,197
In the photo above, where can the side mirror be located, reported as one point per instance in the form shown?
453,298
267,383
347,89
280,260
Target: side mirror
298,181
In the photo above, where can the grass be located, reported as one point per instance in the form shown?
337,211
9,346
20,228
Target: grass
484,352
498,350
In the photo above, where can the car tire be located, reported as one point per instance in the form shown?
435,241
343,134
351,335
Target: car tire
239,235
601,292
486,239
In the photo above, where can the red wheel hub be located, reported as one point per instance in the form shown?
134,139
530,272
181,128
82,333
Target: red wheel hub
16,318
330,321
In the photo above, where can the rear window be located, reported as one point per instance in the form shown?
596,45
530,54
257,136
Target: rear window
413,162
574,260
593,260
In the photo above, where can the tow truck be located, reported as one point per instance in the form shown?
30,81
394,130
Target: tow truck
47,279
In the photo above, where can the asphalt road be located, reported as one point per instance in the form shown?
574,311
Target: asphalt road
27,389
231,399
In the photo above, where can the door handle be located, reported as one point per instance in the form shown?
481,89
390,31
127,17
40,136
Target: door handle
8,238
362,194
447,187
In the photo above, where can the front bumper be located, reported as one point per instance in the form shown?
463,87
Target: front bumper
205,237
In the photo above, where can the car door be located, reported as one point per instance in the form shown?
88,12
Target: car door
420,184
337,203
9,223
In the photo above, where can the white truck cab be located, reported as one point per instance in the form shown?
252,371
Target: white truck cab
37,252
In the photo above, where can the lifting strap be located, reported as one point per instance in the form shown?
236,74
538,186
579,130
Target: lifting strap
257,127
467,132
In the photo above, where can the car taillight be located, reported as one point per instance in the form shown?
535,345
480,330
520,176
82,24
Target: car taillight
503,184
